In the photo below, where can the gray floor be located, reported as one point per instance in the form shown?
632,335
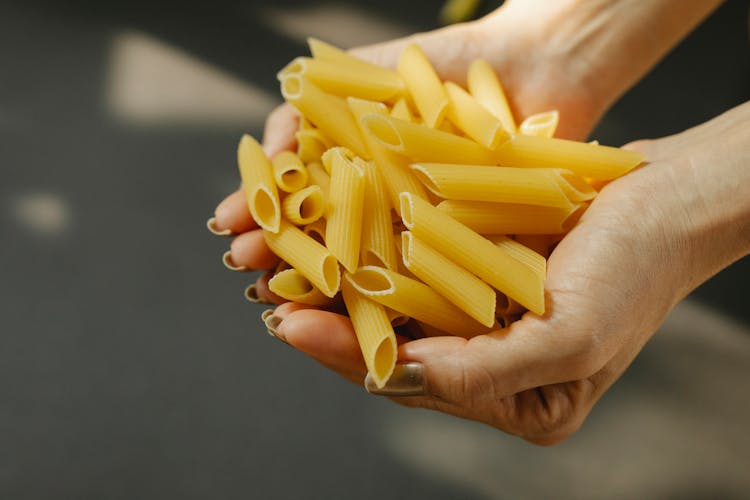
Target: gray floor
130,365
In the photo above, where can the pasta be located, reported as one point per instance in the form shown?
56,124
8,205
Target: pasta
291,285
319,177
423,84
317,231
476,254
289,172
401,111
304,206
374,332
488,91
414,299
377,232
311,145
345,205
260,187
540,124
468,115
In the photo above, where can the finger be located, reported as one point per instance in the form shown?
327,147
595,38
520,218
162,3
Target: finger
278,134
260,292
249,251
232,216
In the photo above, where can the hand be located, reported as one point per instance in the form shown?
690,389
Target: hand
645,242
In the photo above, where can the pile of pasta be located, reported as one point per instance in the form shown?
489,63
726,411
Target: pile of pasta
415,199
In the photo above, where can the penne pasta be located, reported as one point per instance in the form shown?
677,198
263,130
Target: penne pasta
414,299
328,112
317,231
423,84
291,285
396,318
492,264
374,332
521,253
575,188
289,172
319,177
377,231
492,184
304,206
260,188
345,205
540,124
396,174
472,118
463,289
588,160
540,243
313,260
511,218
311,145
486,88
401,111
345,79
421,143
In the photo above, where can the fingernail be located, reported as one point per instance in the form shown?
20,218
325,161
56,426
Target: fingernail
266,314
211,225
272,323
229,264
407,380
251,294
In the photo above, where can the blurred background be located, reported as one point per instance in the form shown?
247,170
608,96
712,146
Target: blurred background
132,367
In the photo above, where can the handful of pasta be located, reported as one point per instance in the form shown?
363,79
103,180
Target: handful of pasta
379,151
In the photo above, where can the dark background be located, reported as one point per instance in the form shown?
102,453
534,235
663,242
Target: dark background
131,366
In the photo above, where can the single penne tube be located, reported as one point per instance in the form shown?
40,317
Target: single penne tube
575,188
541,124
521,253
313,260
311,145
259,185
344,78
328,112
374,332
470,294
473,119
291,285
345,206
512,218
304,206
486,88
319,177
401,111
394,167
377,231
423,84
587,160
396,318
414,299
421,143
289,172
317,231
493,184
492,264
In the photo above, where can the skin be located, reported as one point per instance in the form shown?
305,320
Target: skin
614,278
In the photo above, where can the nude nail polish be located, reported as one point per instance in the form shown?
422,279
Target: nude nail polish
272,324
211,225
229,264
407,380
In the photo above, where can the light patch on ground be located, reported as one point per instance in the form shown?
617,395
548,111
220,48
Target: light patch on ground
153,83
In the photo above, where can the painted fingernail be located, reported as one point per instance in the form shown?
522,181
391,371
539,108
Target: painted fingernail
229,264
272,323
251,294
211,225
266,314
407,380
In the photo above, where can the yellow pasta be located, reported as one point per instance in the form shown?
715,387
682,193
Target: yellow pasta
304,206
414,299
471,117
260,188
540,243
486,88
588,160
311,145
377,232
466,291
374,332
317,231
345,205
575,188
319,177
510,218
495,184
291,285
424,85
540,124
289,172
401,111
471,251
398,178
309,257
521,253
328,112
421,143
348,79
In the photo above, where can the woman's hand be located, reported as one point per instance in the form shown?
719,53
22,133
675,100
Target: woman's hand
645,242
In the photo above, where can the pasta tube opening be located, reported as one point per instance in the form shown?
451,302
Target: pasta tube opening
264,208
291,87
383,130
304,206
541,124
371,280
385,355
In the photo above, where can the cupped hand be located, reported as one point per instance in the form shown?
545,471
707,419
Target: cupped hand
645,242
